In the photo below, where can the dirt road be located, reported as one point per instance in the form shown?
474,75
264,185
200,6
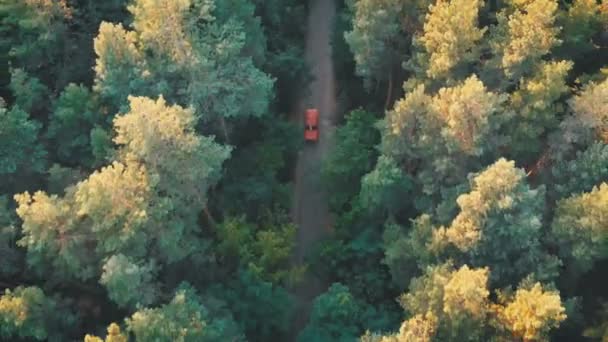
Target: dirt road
310,208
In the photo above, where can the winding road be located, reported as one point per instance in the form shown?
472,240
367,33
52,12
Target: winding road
310,209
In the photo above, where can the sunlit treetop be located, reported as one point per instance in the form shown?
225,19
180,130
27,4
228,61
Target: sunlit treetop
591,108
525,33
160,25
114,335
468,112
492,189
451,35
532,313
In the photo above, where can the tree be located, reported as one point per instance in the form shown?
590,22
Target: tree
27,312
73,118
438,140
380,34
183,319
263,310
537,108
36,32
106,213
265,250
532,313
451,36
499,226
186,52
581,174
351,158
591,106
20,151
406,254
148,202
29,93
114,335
10,256
163,138
336,316
118,68
381,187
453,304
582,22
525,32
580,229
129,284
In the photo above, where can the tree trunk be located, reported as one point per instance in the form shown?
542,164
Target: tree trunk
225,130
389,91
209,217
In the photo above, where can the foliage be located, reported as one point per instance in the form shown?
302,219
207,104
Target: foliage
70,125
351,158
20,151
27,312
532,313
262,309
456,300
114,335
185,318
451,36
526,32
581,174
124,207
264,251
380,33
128,283
580,228
499,225
537,107
336,316
193,56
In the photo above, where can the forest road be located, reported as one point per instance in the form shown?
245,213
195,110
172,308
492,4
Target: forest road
310,210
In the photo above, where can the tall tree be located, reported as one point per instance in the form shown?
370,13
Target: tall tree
499,225
580,228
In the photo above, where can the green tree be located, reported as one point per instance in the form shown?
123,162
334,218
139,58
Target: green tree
149,202
380,34
499,226
187,52
437,140
29,93
20,150
351,158
10,256
70,125
185,318
27,312
129,284
581,23
34,38
580,228
263,310
265,250
118,68
581,174
336,316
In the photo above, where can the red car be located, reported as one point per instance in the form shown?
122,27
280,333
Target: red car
311,131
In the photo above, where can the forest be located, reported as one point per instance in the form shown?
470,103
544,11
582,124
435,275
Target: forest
148,150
